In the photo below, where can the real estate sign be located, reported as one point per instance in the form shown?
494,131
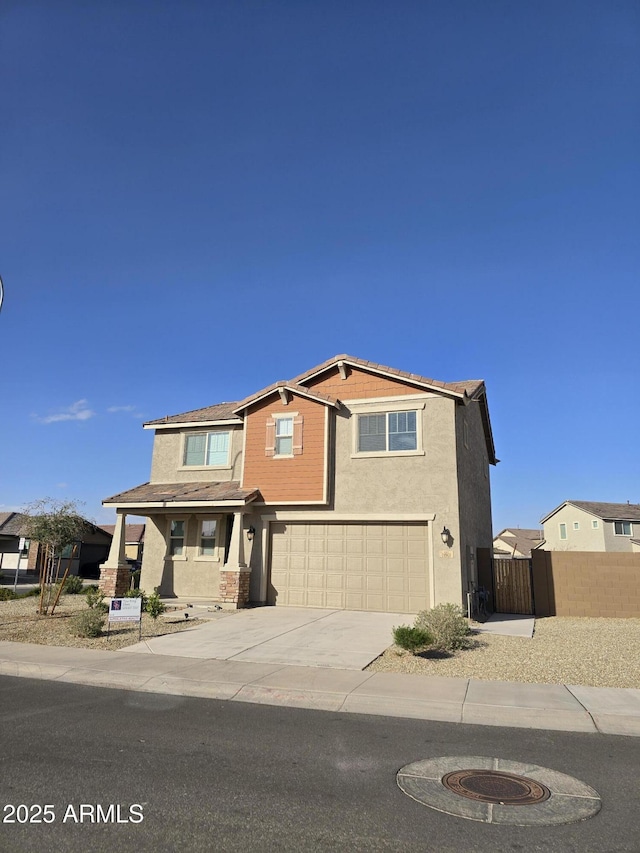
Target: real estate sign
125,610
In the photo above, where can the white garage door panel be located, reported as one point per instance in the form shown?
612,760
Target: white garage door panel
380,567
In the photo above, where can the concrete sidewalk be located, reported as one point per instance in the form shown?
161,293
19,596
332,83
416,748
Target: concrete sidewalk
535,706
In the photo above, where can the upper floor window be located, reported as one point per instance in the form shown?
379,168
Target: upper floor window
206,448
389,432
622,528
594,523
563,531
576,525
284,436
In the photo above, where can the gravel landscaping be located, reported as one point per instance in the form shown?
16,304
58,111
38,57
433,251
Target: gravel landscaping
592,652
21,623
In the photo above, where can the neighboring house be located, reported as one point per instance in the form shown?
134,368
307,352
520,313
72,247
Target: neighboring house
592,526
14,548
134,540
352,486
516,542
17,551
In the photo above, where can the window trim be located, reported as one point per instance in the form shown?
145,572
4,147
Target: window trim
576,525
594,524
206,558
226,467
615,532
285,416
386,408
566,532
184,519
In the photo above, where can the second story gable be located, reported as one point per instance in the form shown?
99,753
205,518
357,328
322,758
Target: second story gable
346,428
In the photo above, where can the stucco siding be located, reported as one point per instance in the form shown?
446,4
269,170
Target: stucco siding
168,451
189,576
474,490
586,538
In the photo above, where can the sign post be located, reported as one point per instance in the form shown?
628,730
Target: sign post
125,610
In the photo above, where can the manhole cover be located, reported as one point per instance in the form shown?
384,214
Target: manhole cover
492,786
487,789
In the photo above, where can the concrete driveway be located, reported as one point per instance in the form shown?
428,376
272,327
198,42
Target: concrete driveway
342,639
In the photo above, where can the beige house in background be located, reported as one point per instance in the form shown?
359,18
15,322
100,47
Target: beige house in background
516,543
592,526
134,540
352,486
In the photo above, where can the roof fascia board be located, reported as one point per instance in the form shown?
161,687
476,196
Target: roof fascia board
292,390
175,424
174,504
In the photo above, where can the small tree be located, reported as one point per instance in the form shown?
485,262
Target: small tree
56,525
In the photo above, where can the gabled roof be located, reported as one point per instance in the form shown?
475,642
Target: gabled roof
12,523
222,413
519,539
469,387
605,511
293,388
184,493
133,532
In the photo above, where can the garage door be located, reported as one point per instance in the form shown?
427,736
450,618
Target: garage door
381,567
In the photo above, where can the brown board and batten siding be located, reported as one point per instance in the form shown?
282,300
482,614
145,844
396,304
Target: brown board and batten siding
296,479
359,385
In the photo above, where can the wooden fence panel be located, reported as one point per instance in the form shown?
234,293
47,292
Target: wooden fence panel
512,586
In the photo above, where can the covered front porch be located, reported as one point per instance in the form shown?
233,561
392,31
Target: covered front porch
197,541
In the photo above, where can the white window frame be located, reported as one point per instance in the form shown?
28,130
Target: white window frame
594,524
615,532
209,558
576,525
387,407
185,528
208,432
288,416
562,526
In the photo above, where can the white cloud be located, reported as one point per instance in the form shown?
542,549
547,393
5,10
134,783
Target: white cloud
78,411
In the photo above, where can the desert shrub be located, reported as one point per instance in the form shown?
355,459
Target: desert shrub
95,600
89,623
447,624
154,606
93,587
72,585
411,639
7,594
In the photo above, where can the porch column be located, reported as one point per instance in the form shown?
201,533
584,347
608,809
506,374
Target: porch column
114,574
235,574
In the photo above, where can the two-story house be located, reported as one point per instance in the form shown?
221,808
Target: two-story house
353,486
592,526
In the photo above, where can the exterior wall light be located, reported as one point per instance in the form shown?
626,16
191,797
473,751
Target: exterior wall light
251,532
446,535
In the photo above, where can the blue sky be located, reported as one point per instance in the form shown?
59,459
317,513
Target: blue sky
200,198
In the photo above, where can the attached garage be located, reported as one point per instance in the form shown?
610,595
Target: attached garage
350,566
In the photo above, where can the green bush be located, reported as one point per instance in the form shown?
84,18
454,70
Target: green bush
95,600
7,594
73,585
447,624
93,587
411,639
89,623
154,607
